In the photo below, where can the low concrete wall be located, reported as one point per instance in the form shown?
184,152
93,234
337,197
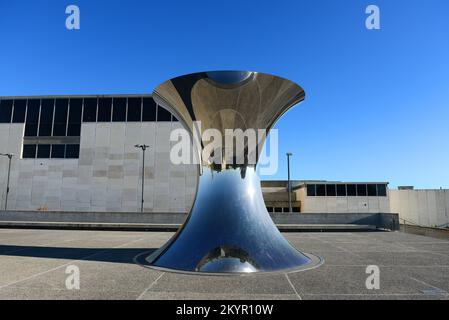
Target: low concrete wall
380,220
389,221
94,217
426,208
427,232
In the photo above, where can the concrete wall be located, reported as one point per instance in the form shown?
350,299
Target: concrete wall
380,220
342,204
107,175
277,197
429,208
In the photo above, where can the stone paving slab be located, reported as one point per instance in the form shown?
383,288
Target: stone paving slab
33,265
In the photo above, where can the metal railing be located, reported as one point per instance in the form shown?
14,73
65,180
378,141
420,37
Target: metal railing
412,223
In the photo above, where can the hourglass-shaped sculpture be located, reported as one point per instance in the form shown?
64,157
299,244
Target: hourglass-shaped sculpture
229,229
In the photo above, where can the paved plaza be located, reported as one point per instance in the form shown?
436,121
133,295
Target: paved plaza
33,265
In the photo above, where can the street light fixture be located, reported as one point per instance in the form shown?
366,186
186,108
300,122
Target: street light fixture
289,187
9,155
144,148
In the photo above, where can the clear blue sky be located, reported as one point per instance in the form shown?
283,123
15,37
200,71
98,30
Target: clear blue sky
377,102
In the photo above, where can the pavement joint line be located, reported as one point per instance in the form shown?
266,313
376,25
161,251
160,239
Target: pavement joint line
386,266
41,245
369,294
416,250
224,296
359,251
340,248
402,246
5,231
27,236
429,285
63,290
426,242
66,264
439,265
150,286
22,236
408,247
292,286
436,253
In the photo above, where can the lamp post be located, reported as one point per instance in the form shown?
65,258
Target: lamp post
9,155
289,187
144,148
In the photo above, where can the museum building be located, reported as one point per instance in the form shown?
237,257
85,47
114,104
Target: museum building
78,153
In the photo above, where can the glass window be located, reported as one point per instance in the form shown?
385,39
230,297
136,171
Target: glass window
19,111
60,120
320,190
29,151
381,190
72,151
57,151
43,151
149,110
74,130
361,190
311,192
74,126
134,109
341,190
119,111
33,111
44,130
351,190
174,119
270,209
31,130
372,192
32,118
296,209
330,190
46,117
5,111
104,109
61,110
76,106
163,115
90,110
285,210
277,209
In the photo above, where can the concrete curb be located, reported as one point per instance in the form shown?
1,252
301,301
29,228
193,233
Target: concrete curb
168,226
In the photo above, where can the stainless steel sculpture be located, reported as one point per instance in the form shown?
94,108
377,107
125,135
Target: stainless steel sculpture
229,229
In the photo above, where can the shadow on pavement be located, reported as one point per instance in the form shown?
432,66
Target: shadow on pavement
115,255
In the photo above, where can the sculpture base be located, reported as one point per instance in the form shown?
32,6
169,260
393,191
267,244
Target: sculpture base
229,231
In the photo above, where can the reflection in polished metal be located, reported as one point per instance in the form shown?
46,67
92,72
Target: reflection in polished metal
228,229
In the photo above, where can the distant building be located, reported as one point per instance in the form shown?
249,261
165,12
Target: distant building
76,153
327,196
429,208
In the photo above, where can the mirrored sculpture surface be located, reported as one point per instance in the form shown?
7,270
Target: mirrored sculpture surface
228,229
